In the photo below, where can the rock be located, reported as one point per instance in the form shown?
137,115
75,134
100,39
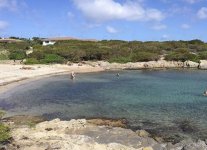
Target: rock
142,133
191,64
158,139
23,120
200,145
27,68
109,122
147,148
73,134
203,64
85,135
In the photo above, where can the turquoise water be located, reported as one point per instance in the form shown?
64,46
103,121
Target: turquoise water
168,103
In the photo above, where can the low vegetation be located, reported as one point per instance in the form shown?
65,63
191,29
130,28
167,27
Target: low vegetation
4,131
107,50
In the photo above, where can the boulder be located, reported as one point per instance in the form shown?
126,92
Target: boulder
191,64
203,64
200,145
147,148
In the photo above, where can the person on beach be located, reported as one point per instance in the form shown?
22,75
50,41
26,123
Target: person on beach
72,76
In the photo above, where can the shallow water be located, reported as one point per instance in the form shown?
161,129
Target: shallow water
168,103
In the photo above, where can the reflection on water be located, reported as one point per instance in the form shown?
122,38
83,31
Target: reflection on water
167,103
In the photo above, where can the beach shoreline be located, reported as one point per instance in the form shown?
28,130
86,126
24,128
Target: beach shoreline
13,74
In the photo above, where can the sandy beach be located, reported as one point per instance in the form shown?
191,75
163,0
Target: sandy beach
12,74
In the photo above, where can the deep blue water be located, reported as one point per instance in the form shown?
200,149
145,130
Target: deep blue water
167,103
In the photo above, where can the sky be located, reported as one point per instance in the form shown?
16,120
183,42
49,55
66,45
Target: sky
142,20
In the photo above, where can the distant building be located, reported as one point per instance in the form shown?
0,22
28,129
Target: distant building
9,40
52,41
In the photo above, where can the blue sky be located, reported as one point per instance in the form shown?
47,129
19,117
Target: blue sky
105,19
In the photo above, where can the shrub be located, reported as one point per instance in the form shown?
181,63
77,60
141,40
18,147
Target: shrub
181,55
202,55
4,133
17,55
52,58
3,57
120,59
31,61
37,55
145,56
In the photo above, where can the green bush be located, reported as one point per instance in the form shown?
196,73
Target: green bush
52,58
4,57
181,55
120,59
145,56
202,55
31,61
108,50
4,133
38,54
17,55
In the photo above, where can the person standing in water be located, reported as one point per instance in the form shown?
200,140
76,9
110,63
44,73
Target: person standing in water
72,76
205,93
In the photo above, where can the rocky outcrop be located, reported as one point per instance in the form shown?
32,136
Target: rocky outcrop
83,135
78,135
203,64
160,64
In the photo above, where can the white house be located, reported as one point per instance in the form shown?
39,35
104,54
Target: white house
52,41
46,43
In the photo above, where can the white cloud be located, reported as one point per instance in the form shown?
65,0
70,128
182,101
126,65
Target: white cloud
185,26
3,25
105,10
9,4
202,13
192,1
159,27
110,29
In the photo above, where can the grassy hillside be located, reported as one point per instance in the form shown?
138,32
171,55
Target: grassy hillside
112,51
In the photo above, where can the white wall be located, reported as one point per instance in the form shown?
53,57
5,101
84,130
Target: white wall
45,43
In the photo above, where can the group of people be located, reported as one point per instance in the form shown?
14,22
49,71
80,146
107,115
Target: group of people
72,75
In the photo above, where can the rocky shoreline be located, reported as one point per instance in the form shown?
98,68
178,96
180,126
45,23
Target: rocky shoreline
82,134
160,64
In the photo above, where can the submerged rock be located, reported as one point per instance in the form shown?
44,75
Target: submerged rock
109,122
142,133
